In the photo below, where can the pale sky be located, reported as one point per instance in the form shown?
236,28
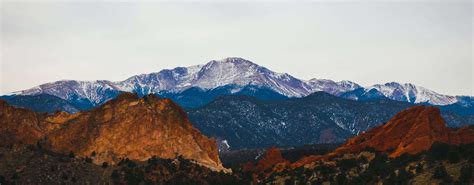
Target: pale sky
424,42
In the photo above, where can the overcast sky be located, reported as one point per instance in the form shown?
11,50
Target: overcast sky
426,43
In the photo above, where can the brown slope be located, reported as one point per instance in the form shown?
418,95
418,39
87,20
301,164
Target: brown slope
411,131
23,126
127,127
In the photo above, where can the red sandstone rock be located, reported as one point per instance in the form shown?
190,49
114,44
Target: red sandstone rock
410,131
126,127
272,157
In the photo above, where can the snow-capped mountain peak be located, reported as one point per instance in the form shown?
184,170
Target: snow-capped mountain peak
233,71
332,87
411,93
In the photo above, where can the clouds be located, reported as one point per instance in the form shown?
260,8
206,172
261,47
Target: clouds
429,44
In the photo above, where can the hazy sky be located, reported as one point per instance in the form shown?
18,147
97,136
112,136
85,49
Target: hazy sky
424,42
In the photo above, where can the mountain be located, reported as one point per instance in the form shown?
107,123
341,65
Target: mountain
332,87
195,97
411,131
464,106
236,71
83,94
41,103
233,71
400,92
126,127
246,122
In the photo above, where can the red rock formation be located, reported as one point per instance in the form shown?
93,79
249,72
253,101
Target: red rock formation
410,131
307,160
126,127
272,157
22,126
272,160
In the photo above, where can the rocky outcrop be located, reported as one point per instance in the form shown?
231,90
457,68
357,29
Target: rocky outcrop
126,127
272,157
411,131
22,126
271,161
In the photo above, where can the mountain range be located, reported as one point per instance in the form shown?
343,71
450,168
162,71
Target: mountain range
247,122
249,106
232,74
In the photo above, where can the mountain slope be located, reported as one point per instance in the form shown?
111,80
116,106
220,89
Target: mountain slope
195,97
246,122
411,131
126,127
230,71
41,103
400,92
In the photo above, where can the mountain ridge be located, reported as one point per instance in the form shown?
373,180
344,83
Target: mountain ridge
319,117
217,73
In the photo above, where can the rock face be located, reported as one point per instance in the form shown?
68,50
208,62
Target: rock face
271,161
410,131
272,157
22,126
126,127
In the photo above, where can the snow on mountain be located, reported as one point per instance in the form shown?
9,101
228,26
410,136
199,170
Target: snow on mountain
236,71
218,73
95,92
332,87
409,93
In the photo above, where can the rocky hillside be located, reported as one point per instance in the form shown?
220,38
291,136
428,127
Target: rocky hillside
410,131
126,127
413,147
247,122
35,165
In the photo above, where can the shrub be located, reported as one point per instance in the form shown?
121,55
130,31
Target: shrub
440,173
71,154
453,156
419,168
341,179
115,177
439,151
466,176
64,176
347,164
88,160
379,167
2,180
325,170
403,177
